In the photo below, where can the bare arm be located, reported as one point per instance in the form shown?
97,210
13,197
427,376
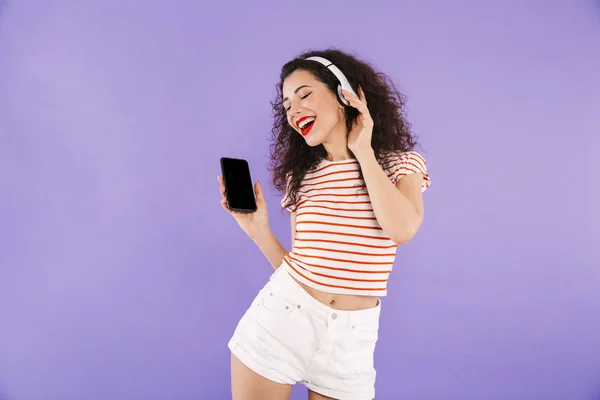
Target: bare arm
399,208
293,225
270,246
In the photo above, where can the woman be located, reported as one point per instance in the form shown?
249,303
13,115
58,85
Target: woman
343,155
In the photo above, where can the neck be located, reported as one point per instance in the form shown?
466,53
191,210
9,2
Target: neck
336,146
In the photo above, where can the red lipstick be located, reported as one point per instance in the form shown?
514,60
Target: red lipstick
306,127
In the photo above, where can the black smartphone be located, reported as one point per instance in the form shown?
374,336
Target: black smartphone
239,189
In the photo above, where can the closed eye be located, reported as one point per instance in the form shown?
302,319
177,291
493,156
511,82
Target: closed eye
302,97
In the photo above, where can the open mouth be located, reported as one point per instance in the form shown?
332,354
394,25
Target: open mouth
305,125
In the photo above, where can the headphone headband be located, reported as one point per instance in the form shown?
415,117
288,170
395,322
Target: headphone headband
344,84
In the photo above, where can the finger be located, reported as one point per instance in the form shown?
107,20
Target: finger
362,96
351,96
348,94
259,193
224,205
359,105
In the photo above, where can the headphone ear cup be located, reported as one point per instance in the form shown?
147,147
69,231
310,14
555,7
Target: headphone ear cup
341,98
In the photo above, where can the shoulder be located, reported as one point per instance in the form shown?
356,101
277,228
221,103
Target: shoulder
398,164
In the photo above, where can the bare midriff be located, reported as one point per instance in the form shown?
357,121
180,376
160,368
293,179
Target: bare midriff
342,302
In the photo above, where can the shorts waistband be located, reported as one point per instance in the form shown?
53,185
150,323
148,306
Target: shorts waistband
285,281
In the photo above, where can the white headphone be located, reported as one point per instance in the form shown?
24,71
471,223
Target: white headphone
344,84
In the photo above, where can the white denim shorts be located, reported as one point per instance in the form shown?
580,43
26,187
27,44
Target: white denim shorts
287,336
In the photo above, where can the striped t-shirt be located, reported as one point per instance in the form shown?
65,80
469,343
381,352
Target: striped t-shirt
339,246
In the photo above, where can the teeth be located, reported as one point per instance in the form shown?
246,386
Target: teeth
305,122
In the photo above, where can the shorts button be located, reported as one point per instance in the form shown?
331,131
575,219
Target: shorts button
334,316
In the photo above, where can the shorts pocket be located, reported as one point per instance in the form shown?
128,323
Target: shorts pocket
364,334
271,301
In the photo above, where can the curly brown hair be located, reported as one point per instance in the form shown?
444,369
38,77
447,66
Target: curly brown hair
291,157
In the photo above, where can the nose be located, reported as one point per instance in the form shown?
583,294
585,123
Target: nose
294,112
294,109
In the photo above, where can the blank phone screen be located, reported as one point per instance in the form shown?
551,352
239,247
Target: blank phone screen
238,184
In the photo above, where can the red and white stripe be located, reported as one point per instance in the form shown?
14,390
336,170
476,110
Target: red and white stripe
339,246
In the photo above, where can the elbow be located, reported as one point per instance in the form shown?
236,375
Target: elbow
406,234
403,237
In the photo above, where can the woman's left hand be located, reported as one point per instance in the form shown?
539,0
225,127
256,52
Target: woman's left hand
359,138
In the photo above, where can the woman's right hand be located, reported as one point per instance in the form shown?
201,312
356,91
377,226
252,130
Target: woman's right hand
254,224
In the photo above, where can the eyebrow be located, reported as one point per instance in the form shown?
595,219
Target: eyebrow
296,91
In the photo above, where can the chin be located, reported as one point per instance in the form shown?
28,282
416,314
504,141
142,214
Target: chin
313,141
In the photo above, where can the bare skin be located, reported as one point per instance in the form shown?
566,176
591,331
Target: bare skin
257,228
248,385
398,211
245,383
343,302
316,396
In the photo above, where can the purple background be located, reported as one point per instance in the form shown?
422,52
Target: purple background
122,278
